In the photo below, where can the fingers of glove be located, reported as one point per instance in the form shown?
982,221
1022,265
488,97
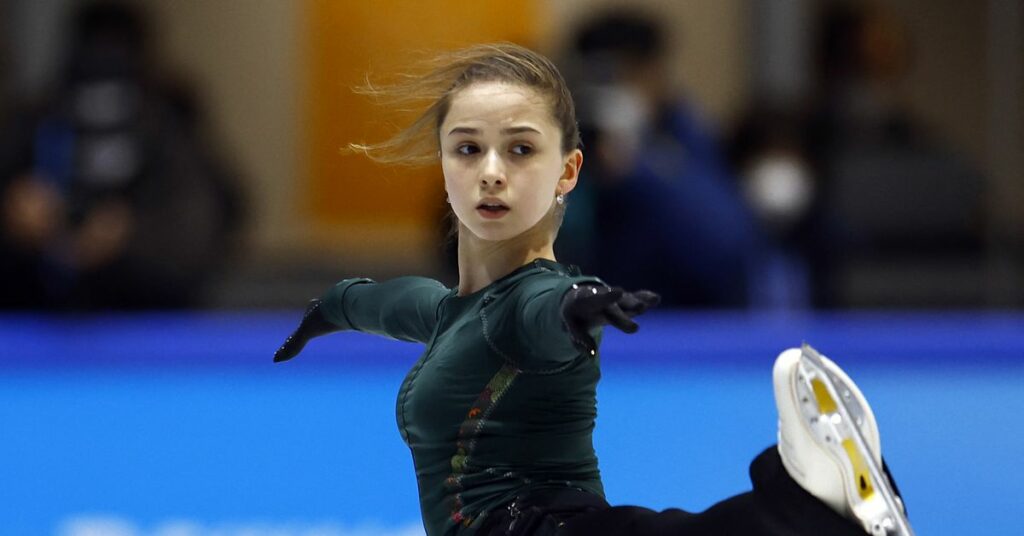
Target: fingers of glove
309,327
291,348
618,318
634,303
652,299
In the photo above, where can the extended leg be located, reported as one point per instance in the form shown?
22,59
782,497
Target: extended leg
829,442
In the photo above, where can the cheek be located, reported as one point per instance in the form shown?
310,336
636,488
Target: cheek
458,187
544,177
538,196
454,179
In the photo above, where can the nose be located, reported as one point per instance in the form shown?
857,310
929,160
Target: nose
493,172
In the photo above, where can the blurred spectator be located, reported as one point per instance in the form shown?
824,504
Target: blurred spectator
778,182
656,206
109,196
878,213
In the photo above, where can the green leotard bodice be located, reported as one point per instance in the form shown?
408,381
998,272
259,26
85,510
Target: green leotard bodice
500,403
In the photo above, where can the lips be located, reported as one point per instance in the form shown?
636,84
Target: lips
492,208
492,204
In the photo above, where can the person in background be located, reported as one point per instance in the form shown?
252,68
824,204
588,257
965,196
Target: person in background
109,195
769,151
909,211
657,171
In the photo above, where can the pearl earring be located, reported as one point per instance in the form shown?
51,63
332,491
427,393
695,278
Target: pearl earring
560,199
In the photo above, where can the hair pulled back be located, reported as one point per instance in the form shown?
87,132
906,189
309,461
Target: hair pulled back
448,73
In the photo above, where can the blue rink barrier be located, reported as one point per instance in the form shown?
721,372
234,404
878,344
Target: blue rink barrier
180,424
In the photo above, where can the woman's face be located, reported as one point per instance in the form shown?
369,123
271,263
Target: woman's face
502,159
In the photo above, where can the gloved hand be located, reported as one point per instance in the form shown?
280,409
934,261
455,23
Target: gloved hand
588,306
313,325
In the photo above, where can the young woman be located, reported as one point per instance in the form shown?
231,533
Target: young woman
499,411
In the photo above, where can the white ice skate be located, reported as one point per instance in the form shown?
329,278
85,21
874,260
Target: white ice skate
829,444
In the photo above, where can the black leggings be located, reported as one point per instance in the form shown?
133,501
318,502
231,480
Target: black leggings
776,506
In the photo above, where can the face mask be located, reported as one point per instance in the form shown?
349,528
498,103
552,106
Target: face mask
779,188
620,111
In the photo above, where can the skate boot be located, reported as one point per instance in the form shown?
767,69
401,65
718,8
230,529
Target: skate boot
829,444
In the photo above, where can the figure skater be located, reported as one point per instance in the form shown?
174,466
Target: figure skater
499,411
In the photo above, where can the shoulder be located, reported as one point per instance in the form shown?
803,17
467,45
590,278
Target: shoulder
426,293
419,282
522,319
398,289
543,280
549,280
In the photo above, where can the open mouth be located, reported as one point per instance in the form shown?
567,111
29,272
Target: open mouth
492,210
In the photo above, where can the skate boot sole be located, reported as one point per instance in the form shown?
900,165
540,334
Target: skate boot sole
834,413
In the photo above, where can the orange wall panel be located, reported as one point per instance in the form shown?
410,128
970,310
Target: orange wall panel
346,42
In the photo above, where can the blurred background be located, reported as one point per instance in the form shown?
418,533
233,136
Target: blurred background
173,189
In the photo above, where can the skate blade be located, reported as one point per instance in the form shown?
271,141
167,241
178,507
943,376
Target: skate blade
835,417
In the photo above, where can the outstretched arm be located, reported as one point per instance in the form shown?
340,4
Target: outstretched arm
557,323
404,308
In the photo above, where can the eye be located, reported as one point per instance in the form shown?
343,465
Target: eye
521,149
467,149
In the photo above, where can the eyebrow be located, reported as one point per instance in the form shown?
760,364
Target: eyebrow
509,130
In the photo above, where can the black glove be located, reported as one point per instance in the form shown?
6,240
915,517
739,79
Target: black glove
588,306
313,325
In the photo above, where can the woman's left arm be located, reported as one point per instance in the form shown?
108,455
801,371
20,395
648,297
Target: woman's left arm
561,321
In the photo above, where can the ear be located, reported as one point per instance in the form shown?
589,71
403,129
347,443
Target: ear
571,171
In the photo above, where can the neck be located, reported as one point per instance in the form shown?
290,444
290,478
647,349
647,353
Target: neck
481,262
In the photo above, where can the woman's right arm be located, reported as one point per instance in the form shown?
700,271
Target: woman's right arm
405,308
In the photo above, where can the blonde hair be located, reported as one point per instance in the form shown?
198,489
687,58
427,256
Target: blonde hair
447,73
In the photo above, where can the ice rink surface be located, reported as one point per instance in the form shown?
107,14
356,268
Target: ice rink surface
181,425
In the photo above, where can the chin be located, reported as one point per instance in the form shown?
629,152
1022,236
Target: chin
501,231
493,234
506,228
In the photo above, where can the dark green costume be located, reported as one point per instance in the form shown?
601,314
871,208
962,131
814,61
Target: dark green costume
501,402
